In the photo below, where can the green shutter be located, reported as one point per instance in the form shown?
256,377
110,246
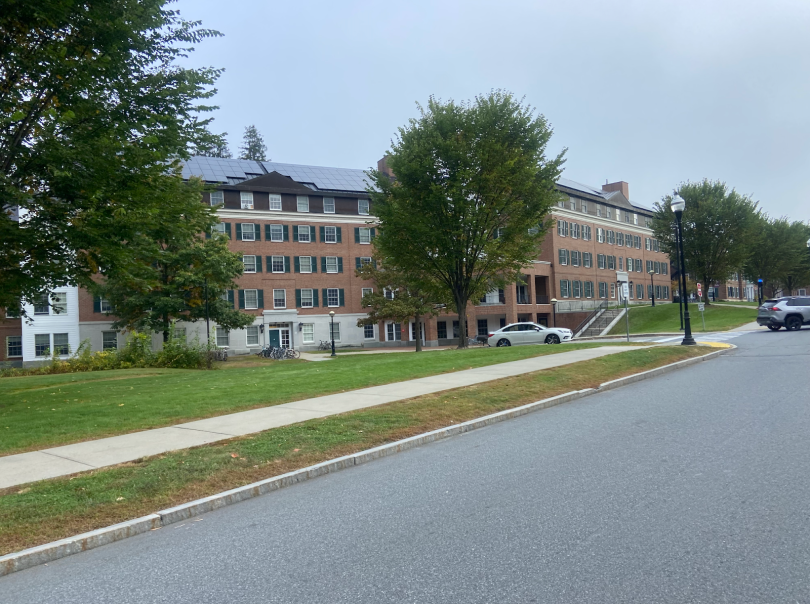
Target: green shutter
269,263
259,264
339,236
298,298
239,231
228,229
96,304
325,298
295,233
230,297
257,232
261,298
357,263
267,232
373,234
357,234
340,264
323,234
315,298
286,230
374,263
323,264
297,264
312,234
341,298
286,264
241,298
313,263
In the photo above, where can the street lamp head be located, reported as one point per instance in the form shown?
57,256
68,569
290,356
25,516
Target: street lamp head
331,313
651,271
678,204
554,300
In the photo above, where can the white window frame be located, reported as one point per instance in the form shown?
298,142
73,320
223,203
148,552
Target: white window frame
364,260
330,236
308,333
301,264
245,263
302,203
304,228
216,198
252,333
373,332
253,303
67,337
277,230
38,350
308,303
337,297
274,202
328,205
273,264
334,331
584,207
246,200
279,297
218,228
8,347
365,233
635,218
600,234
248,234
363,207
220,337
330,266
58,303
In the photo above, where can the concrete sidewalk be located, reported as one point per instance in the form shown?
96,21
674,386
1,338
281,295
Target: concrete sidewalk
89,455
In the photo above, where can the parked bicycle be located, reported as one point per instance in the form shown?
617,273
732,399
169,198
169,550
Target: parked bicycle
325,345
278,353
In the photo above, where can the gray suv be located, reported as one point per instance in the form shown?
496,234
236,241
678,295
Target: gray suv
791,313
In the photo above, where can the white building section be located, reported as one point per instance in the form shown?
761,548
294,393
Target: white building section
54,328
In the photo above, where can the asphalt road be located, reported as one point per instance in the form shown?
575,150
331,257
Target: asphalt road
691,487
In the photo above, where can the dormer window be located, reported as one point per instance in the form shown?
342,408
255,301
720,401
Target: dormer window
246,197
303,203
362,207
328,205
217,198
275,201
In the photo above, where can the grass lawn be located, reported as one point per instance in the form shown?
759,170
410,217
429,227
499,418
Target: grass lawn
38,412
665,318
53,509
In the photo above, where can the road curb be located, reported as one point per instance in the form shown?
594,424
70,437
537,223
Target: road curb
49,552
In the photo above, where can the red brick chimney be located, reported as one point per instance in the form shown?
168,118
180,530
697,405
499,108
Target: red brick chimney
382,166
620,186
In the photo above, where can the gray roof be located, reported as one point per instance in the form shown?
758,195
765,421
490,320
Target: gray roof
570,184
233,171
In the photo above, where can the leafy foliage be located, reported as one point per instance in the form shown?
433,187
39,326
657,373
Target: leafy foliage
213,145
473,186
94,113
717,224
779,255
253,146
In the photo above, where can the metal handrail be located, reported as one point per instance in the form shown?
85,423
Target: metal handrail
592,315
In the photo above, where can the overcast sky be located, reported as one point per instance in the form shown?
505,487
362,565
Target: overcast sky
653,93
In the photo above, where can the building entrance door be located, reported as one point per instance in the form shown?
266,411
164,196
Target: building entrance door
274,337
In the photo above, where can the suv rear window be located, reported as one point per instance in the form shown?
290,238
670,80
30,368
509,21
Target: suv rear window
799,302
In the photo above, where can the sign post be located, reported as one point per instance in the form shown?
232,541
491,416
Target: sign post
701,308
626,294
700,292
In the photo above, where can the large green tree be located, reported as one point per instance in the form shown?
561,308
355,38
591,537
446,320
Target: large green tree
717,226
173,269
471,190
94,111
253,146
779,255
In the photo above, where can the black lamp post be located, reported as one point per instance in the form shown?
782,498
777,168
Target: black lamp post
554,310
652,287
678,205
759,290
332,330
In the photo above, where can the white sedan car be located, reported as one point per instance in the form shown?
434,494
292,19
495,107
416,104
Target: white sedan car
528,333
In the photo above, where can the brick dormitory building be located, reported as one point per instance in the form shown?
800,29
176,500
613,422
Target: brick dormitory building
302,231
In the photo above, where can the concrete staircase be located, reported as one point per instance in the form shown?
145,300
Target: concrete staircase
600,323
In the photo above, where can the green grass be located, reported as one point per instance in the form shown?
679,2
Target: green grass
52,509
37,412
665,318
736,303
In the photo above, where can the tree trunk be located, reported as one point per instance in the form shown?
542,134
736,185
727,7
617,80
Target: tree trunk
417,325
165,328
461,306
705,292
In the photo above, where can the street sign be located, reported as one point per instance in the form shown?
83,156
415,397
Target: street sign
701,306
625,291
700,290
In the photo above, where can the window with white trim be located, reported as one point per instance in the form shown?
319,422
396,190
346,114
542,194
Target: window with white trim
612,290
13,346
365,235
304,233
308,333
248,232
573,202
218,228
599,210
565,288
42,344
365,260
586,232
302,203
251,299
217,198
587,259
388,293
575,230
601,261
246,197
61,344
276,233
619,238
600,235
368,332
563,256
59,303
577,288
275,201
252,335
366,291
588,289
307,298
305,264
584,207
332,297
637,241
223,337
279,298
330,234
277,264
611,237
575,257
635,218
602,289
328,205
648,244
362,207
611,263
607,212
334,331
393,332
331,264
250,264
42,306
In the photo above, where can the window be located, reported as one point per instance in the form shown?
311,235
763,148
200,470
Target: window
279,298
599,210
305,264
611,263
587,259
218,228
362,207
577,287
388,293
637,242
393,332
303,203
276,233
252,335
59,303
365,260
308,333
573,203
621,267
802,292
628,239
331,264
217,198
584,207
365,235
109,340
223,337
248,232
635,218
483,328
368,332
586,232
619,238
602,289
588,289
612,290
650,291
647,244
304,233
251,299
42,307
649,266
13,313
648,223
657,267
275,201
601,261
277,263
561,203
328,205
366,291
575,257
626,216
639,291
563,256
565,288
611,237
42,344
246,197
630,265
13,346
656,245
307,298
330,234
441,330
334,331
600,235
575,230
332,297
562,228
60,344
607,212
250,263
